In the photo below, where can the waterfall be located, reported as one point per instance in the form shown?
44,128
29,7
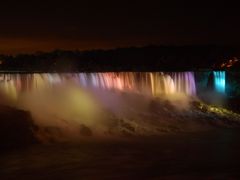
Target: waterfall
149,83
219,81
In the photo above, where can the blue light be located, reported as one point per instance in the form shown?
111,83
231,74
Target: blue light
219,81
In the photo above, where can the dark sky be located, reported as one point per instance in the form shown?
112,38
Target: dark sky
39,25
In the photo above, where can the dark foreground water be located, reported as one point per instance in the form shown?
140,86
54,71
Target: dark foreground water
205,155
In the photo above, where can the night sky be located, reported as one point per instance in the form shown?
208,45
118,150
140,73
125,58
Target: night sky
28,26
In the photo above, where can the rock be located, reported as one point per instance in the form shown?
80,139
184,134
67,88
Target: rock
85,131
127,126
49,134
16,128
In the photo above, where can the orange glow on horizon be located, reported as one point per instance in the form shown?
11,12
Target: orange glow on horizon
13,46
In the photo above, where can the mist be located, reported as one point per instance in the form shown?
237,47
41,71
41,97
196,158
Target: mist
105,106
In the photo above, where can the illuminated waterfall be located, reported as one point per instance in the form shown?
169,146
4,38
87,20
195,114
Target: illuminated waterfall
155,84
219,81
184,82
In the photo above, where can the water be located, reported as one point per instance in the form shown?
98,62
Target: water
146,134
139,103
155,84
219,81
205,155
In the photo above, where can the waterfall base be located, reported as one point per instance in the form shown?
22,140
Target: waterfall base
135,116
